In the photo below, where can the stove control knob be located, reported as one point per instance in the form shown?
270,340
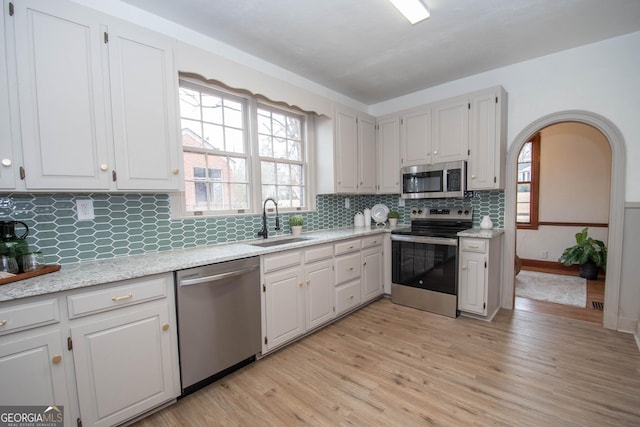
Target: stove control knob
466,212
419,211
460,212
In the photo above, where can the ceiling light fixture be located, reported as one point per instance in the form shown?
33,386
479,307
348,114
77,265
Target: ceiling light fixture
414,10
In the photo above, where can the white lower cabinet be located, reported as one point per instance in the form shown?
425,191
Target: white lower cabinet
110,358
125,357
479,276
298,293
372,273
348,275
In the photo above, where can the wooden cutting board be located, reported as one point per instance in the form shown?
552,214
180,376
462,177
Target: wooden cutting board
44,270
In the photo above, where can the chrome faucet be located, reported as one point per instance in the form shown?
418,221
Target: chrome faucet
264,232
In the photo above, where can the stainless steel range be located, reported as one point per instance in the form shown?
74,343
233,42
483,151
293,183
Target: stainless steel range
425,259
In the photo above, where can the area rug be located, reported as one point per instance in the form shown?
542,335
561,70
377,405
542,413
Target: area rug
568,290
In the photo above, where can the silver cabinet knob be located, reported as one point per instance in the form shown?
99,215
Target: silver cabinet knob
6,162
435,152
104,167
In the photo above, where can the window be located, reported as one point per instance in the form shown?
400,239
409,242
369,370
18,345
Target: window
238,152
281,157
528,184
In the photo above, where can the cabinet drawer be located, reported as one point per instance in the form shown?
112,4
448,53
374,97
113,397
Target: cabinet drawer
348,246
281,260
368,242
28,315
347,268
318,253
348,296
474,245
130,293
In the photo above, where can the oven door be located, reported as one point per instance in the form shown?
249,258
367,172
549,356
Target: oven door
429,263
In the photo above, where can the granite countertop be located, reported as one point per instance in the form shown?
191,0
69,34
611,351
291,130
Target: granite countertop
481,233
90,273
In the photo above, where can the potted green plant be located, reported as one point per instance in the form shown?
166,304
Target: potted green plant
590,253
295,222
393,218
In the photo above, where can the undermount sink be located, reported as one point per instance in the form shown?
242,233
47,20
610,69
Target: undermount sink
276,242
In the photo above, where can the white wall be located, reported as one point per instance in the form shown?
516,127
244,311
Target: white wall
601,78
575,181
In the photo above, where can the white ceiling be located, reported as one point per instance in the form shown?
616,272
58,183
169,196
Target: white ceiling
366,50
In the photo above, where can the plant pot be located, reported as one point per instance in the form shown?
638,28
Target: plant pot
589,270
296,230
393,222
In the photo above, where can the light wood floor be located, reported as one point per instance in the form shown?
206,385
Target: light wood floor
595,292
389,365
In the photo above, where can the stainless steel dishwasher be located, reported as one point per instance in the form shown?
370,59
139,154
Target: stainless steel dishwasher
218,310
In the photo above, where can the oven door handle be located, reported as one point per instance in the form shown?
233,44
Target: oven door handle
425,239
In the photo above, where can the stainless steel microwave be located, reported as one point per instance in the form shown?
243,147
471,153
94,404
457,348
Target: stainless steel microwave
439,180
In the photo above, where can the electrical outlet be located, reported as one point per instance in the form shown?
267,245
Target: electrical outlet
401,202
544,254
84,209
347,204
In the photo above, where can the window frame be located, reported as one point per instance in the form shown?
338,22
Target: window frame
252,155
534,182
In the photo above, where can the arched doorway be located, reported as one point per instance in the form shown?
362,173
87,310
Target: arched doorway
616,208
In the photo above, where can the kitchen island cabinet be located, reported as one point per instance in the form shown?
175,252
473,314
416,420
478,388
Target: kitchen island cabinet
98,101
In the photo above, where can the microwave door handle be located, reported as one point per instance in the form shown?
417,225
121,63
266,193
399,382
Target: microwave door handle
445,180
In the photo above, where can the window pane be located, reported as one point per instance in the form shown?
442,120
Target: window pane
233,114
295,153
283,174
237,169
264,122
212,109
278,123
189,104
191,133
280,148
213,137
239,196
296,175
265,146
268,191
268,172
293,128
193,162
234,140
525,153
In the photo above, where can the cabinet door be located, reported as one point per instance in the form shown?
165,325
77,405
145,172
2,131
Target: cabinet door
7,160
372,278
319,293
389,156
61,95
144,96
450,130
415,138
284,306
32,370
366,155
123,364
472,291
346,152
485,157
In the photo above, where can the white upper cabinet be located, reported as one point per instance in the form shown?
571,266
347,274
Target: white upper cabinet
346,153
98,101
61,93
8,163
367,155
388,141
346,145
415,137
143,91
450,140
487,140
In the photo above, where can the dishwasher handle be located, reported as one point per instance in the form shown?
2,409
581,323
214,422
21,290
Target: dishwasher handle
216,277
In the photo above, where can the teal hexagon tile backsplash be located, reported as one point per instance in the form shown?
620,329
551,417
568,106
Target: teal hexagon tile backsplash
128,224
